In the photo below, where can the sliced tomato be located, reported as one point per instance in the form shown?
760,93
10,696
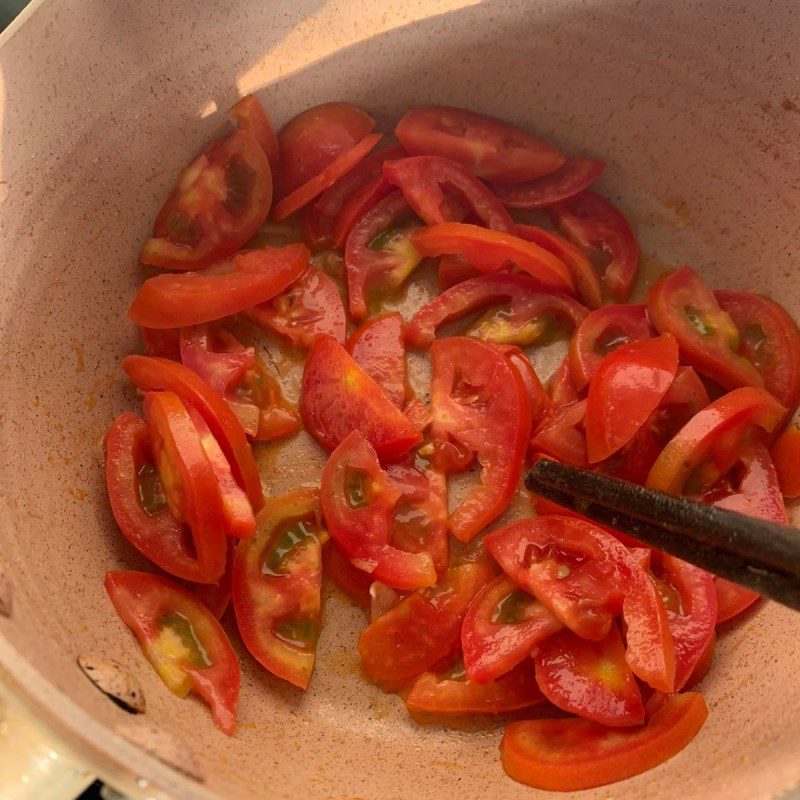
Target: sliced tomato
712,441
217,596
503,626
562,436
277,586
591,679
379,254
487,147
567,755
151,374
601,332
249,278
354,582
218,203
422,630
769,339
339,397
453,270
681,303
593,223
454,694
165,343
627,387
480,403
378,348
562,389
439,190
541,405
251,117
527,313
181,638
786,457
491,250
574,176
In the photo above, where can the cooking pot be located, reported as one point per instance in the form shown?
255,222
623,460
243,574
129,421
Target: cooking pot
694,104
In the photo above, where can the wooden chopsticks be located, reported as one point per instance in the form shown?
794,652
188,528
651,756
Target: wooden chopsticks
759,555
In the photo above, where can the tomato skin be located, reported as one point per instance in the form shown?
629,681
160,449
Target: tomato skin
251,117
217,596
562,436
786,456
487,147
492,647
770,339
529,308
562,388
142,602
541,405
422,630
591,679
626,389
710,343
480,402
378,348
351,580
574,176
592,222
309,307
251,277
339,397
566,755
513,691
602,331
218,203
424,179
491,250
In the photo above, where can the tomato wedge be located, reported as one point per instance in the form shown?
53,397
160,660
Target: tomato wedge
162,374
422,630
310,307
574,176
217,596
567,755
251,117
527,312
541,406
480,403
591,679
682,304
491,250
277,586
487,147
218,203
453,694
378,348
627,387
249,278
562,388
164,343
786,456
502,627
181,638
593,223
351,580
439,190
562,436
339,397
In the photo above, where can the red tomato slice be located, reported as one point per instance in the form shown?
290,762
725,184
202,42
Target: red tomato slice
249,278
217,596
541,406
502,627
277,586
337,169
593,223
769,339
339,397
480,402
379,254
457,695
563,436
146,522
587,281
627,387
181,638
358,501
574,176
378,348
682,304
529,313
562,389
151,374
313,139
786,457
591,679
566,755
164,343
439,190
491,250
453,270
711,442
251,117
190,485
487,147
354,582
422,630
601,332
218,203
